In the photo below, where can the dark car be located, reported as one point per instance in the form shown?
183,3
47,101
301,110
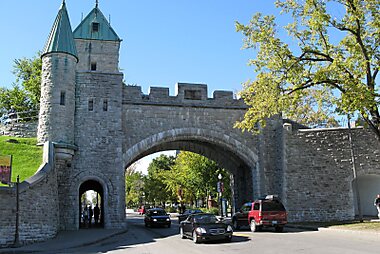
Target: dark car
186,214
264,212
203,227
157,217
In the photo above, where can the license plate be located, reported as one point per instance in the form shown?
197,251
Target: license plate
274,222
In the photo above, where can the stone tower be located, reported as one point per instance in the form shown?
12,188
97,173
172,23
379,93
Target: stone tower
57,102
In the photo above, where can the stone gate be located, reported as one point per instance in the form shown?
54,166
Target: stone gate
93,126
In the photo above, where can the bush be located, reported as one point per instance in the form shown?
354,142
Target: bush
213,210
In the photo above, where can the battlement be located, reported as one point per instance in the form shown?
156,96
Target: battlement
186,94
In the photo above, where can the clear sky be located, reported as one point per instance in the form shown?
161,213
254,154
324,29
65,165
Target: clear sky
164,41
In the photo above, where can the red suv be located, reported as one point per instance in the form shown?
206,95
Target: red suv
265,212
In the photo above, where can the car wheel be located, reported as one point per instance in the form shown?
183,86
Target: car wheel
181,233
253,226
279,228
228,240
235,224
195,238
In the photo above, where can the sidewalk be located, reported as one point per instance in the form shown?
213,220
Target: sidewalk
67,240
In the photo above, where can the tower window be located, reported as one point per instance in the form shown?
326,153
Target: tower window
93,66
95,27
62,99
105,105
91,105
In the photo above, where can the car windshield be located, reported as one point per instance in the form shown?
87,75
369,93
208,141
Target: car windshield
205,218
157,212
273,206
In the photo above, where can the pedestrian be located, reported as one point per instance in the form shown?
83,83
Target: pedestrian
96,214
85,216
377,204
90,213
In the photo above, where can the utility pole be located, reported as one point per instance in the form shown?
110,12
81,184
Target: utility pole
356,185
17,240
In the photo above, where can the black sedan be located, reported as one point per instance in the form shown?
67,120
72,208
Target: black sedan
186,214
157,217
203,227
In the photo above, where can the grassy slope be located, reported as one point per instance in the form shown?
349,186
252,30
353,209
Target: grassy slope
26,156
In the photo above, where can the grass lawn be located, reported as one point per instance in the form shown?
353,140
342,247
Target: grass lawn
366,225
26,156
358,226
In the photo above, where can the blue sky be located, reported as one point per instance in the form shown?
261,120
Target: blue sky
164,42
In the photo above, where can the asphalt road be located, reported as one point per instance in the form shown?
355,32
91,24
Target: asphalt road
142,240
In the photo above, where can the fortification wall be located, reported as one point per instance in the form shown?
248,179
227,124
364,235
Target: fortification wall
21,129
38,200
319,174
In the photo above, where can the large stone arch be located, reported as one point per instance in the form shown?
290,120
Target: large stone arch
228,152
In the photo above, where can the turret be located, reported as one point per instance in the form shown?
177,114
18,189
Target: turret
57,102
97,43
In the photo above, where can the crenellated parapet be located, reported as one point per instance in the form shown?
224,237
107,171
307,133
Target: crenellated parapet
193,95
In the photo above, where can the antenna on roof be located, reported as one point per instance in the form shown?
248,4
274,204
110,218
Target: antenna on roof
96,3
109,18
81,18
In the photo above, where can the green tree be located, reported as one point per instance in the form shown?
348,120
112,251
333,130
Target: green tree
15,97
155,188
334,63
196,176
134,186
24,95
28,75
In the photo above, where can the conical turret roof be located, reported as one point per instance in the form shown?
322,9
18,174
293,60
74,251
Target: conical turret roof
61,36
95,27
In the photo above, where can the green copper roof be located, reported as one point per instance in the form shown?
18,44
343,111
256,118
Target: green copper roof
61,36
103,31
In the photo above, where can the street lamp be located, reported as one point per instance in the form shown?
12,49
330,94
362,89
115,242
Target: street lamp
220,190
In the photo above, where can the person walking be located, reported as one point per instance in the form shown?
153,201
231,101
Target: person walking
96,214
377,204
90,213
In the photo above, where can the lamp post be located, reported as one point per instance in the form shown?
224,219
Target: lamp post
356,185
220,187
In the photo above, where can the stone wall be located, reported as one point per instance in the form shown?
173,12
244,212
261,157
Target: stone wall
38,216
318,171
19,129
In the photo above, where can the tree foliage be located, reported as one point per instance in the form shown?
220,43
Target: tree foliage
333,66
134,186
196,177
156,191
186,178
24,95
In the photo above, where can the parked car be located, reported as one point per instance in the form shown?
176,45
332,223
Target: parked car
264,212
203,227
186,214
157,217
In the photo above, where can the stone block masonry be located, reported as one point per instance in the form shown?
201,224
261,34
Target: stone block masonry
318,171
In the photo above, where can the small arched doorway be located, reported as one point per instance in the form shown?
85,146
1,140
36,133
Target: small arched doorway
97,188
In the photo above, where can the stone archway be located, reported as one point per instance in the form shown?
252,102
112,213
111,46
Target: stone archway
229,153
98,188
